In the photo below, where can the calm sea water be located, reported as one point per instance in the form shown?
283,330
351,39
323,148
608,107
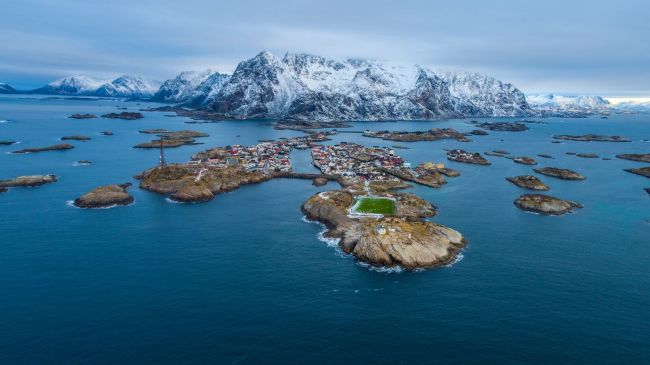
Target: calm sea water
243,279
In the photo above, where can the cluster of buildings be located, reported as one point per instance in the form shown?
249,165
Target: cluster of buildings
351,159
270,156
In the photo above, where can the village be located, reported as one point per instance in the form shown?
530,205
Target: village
354,160
267,157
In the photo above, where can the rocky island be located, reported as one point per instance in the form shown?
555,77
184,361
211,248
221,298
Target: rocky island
643,171
501,126
75,138
402,239
107,133
7,143
305,126
591,137
124,115
56,147
467,157
528,182
105,196
171,139
545,204
28,181
640,157
82,116
587,155
564,174
524,160
430,135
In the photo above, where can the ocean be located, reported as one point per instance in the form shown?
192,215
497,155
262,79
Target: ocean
244,279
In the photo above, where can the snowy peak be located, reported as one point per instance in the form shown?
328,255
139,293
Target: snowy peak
71,85
127,86
303,86
7,89
182,87
478,94
551,104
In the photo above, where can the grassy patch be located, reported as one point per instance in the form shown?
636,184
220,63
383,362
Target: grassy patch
376,206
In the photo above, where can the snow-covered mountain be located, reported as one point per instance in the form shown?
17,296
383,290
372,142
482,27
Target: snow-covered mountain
123,86
302,86
7,89
633,107
127,86
191,87
478,94
551,104
71,85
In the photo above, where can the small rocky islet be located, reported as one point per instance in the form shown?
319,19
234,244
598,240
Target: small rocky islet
124,115
642,171
564,174
56,147
463,156
591,138
545,204
105,196
524,160
7,143
434,134
75,137
639,157
502,126
82,116
170,139
28,181
528,182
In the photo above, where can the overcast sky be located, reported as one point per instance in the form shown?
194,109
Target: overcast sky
591,47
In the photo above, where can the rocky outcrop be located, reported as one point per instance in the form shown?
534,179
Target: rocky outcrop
403,240
643,171
528,182
502,126
319,181
28,181
467,157
75,138
564,174
171,139
587,155
592,137
187,183
524,160
56,147
124,115
107,133
545,204
640,157
105,196
82,116
7,143
434,134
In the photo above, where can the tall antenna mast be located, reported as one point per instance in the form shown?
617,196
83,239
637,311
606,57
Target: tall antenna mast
162,153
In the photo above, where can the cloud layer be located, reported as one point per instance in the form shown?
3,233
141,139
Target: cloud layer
592,47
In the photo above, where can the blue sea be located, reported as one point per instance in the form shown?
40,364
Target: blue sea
243,279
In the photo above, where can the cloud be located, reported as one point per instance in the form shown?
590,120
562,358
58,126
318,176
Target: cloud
588,47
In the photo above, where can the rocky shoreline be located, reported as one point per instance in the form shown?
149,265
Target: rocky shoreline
545,204
124,115
56,147
564,174
591,138
404,240
430,135
528,182
105,196
639,157
643,171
